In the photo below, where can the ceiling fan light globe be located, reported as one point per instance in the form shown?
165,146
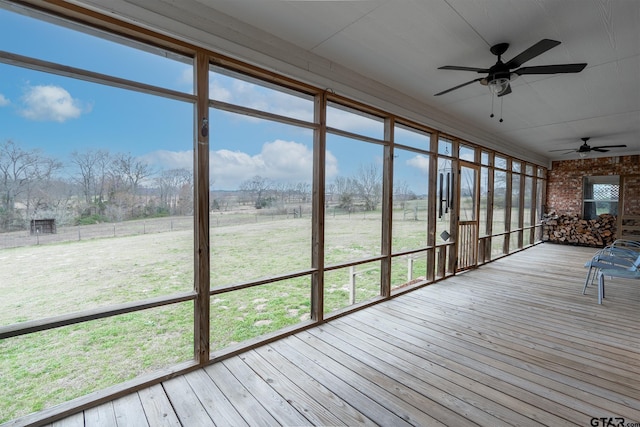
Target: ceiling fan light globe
498,85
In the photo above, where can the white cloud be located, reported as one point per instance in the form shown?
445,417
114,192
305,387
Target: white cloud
279,161
419,162
247,94
219,92
286,158
50,103
186,77
254,96
230,168
346,120
4,101
164,159
331,169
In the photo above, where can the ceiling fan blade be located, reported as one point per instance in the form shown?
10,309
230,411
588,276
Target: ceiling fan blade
551,69
458,87
609,146
598,149
507,91
568,150
537,49
455,67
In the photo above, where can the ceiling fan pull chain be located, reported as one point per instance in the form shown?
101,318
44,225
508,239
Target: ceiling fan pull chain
501,102
492,95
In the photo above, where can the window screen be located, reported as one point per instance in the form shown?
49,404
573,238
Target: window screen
600,196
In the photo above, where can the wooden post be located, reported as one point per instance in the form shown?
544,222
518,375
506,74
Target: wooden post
352,285
432,206
490,188
454,215
387,208
507,209
533,209
317,208
201,212
442,261
523,179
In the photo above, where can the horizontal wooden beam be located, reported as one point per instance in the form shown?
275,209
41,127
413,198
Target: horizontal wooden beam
44,324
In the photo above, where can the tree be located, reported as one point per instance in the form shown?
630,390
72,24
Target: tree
130,171
54,199
257,188
24,175
345,189
92,173
402,193
303,191
369,184
176,190
126,175
39,190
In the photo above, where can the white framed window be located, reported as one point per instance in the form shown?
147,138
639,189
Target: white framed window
600,195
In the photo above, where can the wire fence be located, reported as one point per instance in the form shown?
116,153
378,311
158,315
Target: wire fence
23,238
96,231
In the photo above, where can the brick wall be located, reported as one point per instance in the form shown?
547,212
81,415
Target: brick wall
564,181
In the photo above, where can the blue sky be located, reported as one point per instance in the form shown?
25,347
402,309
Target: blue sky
60,115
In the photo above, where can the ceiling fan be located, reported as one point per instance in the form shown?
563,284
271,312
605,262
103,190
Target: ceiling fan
585,148
502,74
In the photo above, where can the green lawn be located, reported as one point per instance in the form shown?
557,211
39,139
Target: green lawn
47,368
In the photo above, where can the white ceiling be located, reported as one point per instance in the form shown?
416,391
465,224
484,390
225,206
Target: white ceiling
387,53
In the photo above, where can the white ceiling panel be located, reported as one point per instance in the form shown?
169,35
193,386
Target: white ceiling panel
387,52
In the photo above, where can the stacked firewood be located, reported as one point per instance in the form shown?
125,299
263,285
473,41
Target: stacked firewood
572,230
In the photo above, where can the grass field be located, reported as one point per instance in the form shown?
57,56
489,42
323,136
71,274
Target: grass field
46,368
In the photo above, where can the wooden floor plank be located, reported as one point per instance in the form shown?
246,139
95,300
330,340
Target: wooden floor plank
513,342
555,369
129,411
548,361
100,416
572,332
76,420
535,336
314,412
157,407
297,352
459,359
517,336
447,401
407,395
217,405
411,362
186,404
248,406
325,398
523,377
264,394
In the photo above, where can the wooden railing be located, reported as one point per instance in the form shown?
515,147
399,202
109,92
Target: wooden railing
467,245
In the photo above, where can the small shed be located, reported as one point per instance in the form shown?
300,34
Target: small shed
43,226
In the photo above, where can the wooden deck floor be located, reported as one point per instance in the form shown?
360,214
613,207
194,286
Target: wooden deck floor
511,343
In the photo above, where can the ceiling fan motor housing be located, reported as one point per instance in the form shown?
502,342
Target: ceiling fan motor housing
499,49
